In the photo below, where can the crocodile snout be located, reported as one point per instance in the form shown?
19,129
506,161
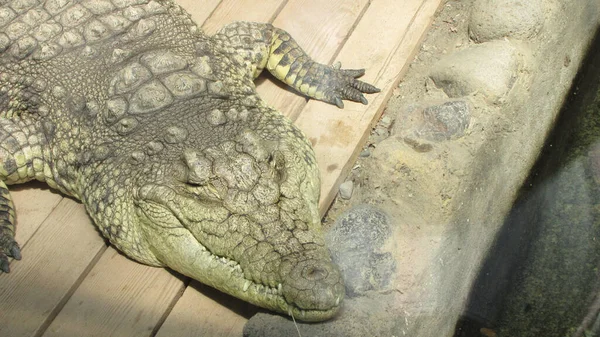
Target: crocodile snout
313,284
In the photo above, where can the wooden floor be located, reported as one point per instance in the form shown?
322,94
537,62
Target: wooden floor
70,283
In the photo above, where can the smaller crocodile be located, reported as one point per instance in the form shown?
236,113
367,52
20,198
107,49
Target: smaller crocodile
127,106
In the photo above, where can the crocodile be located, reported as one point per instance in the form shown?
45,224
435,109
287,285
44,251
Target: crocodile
157,129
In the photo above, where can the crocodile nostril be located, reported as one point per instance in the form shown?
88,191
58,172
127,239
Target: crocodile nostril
314,273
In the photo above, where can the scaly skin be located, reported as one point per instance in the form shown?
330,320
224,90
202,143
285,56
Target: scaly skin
157,128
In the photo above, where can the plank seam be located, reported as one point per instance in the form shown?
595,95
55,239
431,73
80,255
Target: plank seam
295,114
278,11
201,24
395,50
330,196
61,304
350,31
41,222
169,309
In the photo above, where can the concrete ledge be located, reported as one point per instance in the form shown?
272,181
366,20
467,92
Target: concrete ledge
468,122
513,134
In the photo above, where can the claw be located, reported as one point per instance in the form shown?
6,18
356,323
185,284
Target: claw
339,103
15,252
363,100
365,87
354,72
337,65
4,266
371,89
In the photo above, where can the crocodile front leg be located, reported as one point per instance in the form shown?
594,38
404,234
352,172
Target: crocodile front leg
8,246
20,161
262,46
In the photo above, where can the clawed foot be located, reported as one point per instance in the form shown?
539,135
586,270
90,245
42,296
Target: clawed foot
8,248
342,84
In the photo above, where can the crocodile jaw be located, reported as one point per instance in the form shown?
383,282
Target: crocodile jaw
193,260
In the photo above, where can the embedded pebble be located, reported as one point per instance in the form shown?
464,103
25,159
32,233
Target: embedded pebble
346,189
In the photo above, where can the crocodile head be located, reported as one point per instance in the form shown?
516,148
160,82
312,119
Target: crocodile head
242,216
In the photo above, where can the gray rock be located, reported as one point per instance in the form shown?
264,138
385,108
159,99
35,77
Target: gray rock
446,120
385,122
433,121
346,189
365,153
374,315
356,241
496,19
490,68
379,134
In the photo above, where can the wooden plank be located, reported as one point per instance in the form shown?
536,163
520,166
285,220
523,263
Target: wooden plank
33,204
384,42
242,10
125,303
204,311
320,28
53,261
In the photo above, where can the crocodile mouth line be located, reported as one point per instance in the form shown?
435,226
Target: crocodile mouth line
274,293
